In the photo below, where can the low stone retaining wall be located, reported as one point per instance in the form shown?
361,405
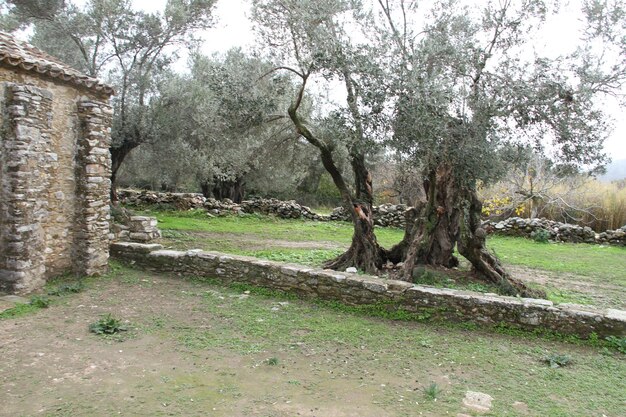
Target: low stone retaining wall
385,215
180,201
558,232
352,289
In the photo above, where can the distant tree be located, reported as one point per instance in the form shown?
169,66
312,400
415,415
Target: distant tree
227,119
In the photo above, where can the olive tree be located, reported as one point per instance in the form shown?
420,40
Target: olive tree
311,41
467,90
224,119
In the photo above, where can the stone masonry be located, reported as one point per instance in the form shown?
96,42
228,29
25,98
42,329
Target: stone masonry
137,229
353,289
54,169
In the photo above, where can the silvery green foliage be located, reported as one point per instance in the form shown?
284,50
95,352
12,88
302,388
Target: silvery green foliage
469,85
326,45
223,122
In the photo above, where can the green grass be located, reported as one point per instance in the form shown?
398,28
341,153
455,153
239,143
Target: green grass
508,366
268,237
581,259
602,262
269,227
308,257
19,310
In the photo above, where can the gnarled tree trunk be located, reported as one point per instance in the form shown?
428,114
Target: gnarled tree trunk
432,227
364,253
448,215
471,245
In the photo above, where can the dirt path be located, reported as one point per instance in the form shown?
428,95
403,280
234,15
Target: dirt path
57,368
215,240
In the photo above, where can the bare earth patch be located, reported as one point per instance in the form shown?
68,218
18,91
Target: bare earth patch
57,368
208,240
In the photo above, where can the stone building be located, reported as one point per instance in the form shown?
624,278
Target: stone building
54,169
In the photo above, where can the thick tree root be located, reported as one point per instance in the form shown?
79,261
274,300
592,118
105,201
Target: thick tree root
369,260
471,245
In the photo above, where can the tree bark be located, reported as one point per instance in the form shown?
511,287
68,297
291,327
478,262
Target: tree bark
364,252
471,245
117,158
233,190
432,226
445,217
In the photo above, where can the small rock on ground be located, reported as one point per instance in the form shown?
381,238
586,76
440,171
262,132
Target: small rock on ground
14,299
477,401
520,406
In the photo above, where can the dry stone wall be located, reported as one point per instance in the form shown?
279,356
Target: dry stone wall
352,289
385,215
137,229
557,232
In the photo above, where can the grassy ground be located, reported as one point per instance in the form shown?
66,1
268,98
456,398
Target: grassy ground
606,263
197,348
579,273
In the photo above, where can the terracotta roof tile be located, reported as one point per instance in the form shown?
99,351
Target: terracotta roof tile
15,53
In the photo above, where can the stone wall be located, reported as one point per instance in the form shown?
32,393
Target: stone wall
558,232
385,215
352,289
137,229
54,181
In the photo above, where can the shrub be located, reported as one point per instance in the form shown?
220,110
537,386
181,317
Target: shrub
540,235
39,301
618,343
107,325
63,289
556,361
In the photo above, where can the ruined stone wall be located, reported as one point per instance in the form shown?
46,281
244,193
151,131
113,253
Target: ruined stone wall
353,289
556,231
386,215
54,169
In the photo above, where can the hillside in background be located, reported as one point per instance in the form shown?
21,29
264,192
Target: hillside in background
616,170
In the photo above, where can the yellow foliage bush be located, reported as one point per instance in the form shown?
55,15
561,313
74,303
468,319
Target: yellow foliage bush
599,205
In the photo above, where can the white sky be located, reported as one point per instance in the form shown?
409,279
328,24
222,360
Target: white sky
234,29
